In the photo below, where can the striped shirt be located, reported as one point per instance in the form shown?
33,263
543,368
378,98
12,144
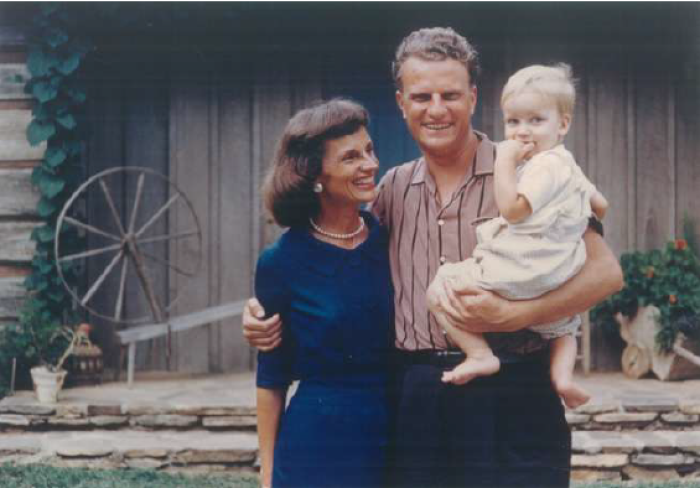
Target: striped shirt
424,234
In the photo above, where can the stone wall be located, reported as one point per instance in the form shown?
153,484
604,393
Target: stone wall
636,438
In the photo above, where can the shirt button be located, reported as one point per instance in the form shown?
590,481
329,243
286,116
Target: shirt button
443,259
441,222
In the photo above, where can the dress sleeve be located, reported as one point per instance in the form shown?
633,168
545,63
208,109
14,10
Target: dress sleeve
274,367
541,179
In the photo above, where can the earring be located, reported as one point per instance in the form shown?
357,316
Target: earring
318,188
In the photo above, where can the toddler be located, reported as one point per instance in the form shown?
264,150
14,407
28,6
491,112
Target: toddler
536,244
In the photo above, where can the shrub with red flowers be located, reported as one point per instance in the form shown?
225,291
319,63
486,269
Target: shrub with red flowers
667,278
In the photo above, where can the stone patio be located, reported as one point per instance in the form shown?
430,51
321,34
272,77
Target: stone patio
632,429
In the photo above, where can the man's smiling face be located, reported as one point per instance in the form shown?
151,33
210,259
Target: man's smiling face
437,101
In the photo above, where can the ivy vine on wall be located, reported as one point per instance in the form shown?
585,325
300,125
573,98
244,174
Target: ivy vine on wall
55,52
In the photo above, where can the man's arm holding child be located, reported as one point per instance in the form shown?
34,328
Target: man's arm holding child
483,311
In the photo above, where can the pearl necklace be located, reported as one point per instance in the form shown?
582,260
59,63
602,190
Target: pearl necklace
332,235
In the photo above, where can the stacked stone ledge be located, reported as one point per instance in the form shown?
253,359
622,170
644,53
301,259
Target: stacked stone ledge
632,439
187,439
167,450
33,417
636,439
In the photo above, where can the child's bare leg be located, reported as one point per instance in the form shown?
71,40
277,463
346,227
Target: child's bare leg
563,361
480,358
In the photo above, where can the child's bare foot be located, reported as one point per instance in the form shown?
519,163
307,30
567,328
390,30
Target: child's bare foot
572,394
471,368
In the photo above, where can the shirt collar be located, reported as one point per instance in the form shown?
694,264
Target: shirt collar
485,157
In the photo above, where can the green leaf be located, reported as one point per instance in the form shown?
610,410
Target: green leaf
73,148
39,63
42,284
67,121
44,234
29,282
38,132
55,156
56,37
51,186
41,112
70,64
37,175
57,296
44,91
46,207
76,94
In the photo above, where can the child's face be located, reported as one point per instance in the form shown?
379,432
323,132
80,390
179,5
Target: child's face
530,117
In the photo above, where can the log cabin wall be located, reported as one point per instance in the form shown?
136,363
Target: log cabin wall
205,106
18,199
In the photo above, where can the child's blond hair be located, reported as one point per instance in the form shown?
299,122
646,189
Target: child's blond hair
553,82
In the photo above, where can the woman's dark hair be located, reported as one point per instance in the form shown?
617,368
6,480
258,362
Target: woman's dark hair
288,187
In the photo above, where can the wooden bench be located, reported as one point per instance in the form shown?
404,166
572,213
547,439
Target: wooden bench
131,336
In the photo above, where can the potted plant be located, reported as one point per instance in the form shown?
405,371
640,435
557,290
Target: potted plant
658,306
50,343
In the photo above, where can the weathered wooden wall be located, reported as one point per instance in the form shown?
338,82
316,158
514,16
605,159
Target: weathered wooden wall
209,117
17,197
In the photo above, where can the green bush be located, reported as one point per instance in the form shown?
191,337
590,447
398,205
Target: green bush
668,279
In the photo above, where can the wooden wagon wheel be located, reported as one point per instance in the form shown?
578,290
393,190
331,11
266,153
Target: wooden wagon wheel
122,245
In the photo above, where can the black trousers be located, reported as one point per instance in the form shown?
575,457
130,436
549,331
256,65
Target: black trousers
502,431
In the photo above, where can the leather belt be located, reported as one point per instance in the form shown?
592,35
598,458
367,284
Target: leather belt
432,357
452,357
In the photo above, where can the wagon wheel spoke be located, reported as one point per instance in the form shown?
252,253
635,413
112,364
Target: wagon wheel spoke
112,207
153,302
168,237
137,202
167,263
120,296
101,278
90,228
87,254
157,215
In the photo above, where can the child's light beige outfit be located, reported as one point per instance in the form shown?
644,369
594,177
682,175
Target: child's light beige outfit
525,260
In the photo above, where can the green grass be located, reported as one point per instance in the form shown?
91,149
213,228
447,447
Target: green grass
48,477
640,484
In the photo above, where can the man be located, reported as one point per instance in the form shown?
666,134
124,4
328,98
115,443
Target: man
503,430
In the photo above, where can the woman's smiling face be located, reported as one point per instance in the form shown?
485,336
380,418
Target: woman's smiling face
349,170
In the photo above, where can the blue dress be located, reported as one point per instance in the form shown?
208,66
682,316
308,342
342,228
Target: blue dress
337,312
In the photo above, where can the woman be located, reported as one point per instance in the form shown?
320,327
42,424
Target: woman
328,277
